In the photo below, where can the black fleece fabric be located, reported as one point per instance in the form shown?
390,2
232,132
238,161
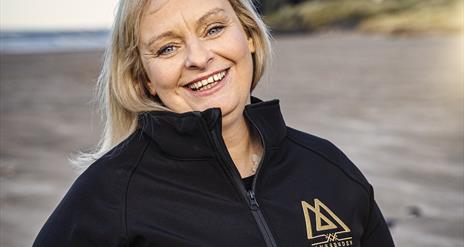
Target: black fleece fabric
173,183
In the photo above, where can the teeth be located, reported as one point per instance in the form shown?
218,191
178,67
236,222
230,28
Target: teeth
207,83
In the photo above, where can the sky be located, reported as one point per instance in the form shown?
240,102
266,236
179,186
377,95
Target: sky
56,14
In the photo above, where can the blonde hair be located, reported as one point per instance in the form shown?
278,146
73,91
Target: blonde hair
121,88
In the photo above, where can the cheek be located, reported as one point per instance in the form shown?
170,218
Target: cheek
232,45
238,51
163,75
237,46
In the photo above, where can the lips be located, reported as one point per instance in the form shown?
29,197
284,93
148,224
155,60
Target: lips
207,82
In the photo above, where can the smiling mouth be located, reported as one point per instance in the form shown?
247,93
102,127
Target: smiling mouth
207,83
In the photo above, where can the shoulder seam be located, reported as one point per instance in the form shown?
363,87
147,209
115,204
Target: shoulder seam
369,212
351,177
132,171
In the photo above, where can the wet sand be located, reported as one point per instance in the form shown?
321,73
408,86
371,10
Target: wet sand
394,105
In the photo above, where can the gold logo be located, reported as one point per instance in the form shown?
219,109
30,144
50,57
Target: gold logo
329,230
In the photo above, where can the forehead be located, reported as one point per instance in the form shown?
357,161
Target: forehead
165,12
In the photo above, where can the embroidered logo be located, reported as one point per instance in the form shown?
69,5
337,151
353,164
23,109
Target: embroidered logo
328,230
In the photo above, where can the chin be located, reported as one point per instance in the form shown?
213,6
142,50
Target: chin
232,110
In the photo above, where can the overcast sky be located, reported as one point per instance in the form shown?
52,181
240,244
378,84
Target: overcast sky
56,14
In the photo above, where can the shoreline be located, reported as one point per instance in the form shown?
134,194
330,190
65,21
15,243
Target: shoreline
274,34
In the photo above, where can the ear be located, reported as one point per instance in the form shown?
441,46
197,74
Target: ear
151,88
251,45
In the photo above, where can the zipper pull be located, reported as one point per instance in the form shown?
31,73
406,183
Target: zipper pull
253,203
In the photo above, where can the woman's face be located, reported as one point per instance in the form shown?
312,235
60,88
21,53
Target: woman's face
197,55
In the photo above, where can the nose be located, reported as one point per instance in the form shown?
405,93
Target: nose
198,55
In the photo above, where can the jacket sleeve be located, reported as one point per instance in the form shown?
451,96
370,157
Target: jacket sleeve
81,232
377,232
84,217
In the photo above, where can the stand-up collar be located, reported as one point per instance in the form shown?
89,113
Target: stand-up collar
187,135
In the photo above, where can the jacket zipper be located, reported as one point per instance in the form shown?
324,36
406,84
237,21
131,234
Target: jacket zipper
249,196
270,241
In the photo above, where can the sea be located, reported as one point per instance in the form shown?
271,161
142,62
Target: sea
26,42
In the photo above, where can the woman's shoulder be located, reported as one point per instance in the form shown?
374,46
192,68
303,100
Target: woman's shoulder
93,206
328,151
104,181
116,164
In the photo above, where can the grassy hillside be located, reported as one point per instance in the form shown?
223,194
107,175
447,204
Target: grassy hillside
384,16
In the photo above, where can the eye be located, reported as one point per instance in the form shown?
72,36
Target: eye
166,50
215,30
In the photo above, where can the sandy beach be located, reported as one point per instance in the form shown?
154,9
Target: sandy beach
393,105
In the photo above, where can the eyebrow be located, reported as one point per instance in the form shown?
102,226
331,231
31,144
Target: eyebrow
199,21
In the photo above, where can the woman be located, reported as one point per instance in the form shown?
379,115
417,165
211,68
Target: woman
187,160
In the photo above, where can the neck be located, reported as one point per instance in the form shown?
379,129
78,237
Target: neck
241,144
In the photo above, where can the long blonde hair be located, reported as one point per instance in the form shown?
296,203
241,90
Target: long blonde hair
121,88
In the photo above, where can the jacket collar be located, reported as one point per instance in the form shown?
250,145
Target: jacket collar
187,135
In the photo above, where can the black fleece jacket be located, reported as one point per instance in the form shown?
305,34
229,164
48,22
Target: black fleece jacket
173,183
